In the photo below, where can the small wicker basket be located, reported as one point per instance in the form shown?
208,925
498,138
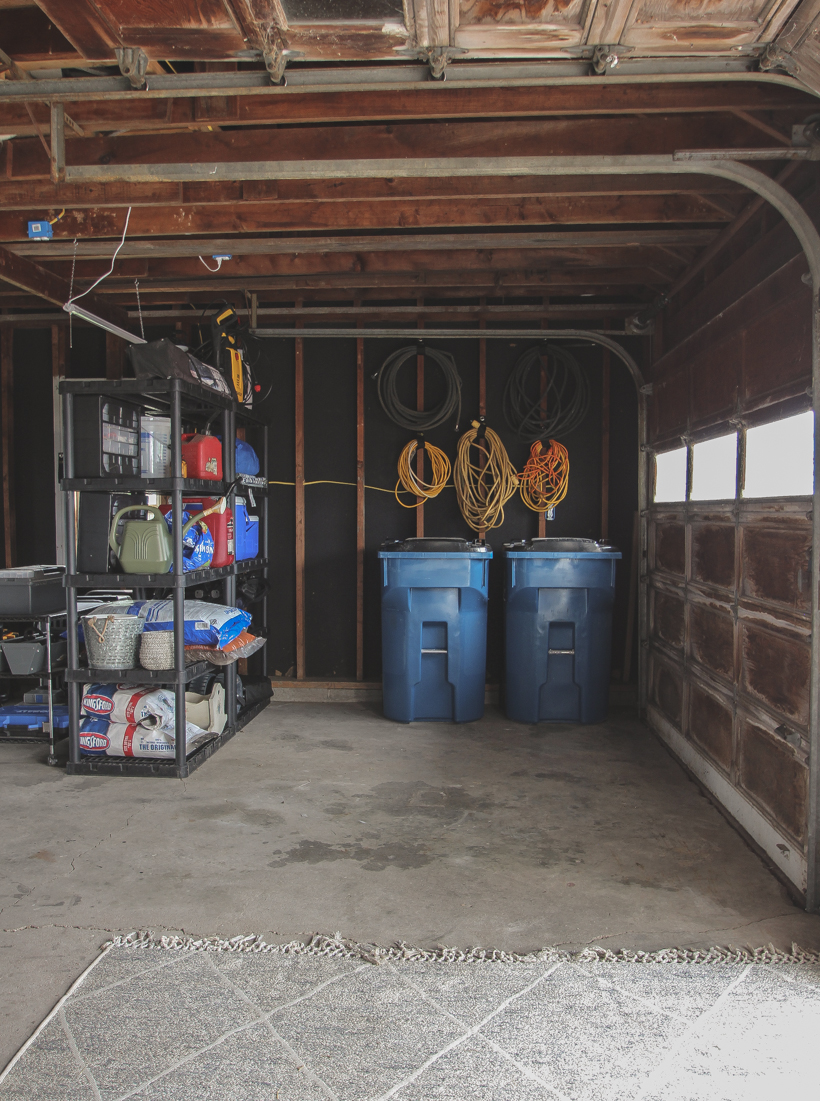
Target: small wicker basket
111,641
157,650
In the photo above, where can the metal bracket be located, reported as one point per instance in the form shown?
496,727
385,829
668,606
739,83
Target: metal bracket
133,63
646,390
437,57
57,137
638,326
276,61
774,57
605,59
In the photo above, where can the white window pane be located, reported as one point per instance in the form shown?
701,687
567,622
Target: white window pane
780,458
714,469
670,475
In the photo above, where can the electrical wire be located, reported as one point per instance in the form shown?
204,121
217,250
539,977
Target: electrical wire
419,420
332,482
545,477
409,479
537,407
113,258
482,489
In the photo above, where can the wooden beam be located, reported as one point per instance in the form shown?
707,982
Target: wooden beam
420,407
293,247
37,280
482,399
605,399
299,478
112,157
360,506
410,214
7,402
39,193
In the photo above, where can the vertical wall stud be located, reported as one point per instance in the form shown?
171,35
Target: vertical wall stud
7,396
542,516
605,381
482,397
299,479
420,407
359,504
58,371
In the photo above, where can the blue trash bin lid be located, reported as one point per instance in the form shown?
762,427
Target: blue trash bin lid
434,545
561,548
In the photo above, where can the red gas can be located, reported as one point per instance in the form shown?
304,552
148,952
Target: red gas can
203,455
220,525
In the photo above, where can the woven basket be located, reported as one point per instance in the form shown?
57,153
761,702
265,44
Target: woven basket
111,640
157,650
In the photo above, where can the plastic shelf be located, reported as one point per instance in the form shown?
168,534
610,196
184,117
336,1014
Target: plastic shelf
162,580
136,676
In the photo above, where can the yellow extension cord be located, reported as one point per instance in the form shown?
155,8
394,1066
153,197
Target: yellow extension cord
545,478
482,492
423,491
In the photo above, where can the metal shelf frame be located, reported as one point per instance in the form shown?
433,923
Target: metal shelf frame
48,736
185,403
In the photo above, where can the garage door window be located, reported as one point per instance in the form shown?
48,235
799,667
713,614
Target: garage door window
780,458
714,469
670,475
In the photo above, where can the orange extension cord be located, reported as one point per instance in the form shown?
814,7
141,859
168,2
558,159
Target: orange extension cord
545,478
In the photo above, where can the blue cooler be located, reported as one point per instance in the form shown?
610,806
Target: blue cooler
558,628
434,629
246,532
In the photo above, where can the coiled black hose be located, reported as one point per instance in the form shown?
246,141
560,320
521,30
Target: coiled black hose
535,411
412,419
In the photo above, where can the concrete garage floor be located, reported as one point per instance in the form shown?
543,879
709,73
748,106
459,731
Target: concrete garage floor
326,817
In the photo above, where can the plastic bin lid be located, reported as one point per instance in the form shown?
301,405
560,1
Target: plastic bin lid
31,573
561,546
434,545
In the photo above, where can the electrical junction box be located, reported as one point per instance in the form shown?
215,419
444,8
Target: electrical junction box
40,231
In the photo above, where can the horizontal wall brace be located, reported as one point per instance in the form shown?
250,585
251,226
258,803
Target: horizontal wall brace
417,335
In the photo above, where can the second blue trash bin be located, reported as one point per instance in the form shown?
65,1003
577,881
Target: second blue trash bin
434,629
558,624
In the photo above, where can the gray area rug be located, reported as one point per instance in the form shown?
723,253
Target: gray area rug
175,1019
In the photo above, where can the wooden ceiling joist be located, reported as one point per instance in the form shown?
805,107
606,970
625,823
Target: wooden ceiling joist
28,276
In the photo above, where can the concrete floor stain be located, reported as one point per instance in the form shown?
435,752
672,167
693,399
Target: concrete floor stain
376,859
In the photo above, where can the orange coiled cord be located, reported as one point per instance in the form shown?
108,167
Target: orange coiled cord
545,478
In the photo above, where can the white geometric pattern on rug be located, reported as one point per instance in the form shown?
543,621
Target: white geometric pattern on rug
176,1025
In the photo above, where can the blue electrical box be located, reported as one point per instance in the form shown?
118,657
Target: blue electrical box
40,231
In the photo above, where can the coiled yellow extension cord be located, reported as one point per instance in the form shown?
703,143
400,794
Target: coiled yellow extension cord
423,490
482,492
545,478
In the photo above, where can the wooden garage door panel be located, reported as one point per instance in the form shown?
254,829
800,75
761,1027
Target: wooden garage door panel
667,691
715,381
775,670
510,24
772,775
777,349
684,25
710,725
712,639
713,554
667,618
172,15
670,547
670,405
777,564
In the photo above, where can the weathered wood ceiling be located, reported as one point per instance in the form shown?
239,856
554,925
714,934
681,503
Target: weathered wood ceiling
616,241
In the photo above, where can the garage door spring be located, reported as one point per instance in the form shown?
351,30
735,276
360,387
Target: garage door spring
419,420
536,405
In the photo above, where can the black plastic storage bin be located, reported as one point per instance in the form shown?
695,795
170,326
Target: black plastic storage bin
32,590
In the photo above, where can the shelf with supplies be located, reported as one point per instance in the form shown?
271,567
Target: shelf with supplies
122,441
130,766
165,580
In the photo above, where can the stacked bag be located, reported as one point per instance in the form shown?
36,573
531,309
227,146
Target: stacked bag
120,720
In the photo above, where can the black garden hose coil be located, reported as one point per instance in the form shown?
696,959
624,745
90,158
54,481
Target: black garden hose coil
412,419
536,412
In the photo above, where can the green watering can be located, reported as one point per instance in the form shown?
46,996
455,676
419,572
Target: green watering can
147,545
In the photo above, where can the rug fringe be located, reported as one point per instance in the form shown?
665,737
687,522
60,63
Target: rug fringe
337,947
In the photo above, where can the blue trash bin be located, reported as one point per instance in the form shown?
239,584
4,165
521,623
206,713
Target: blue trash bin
434,629
558,629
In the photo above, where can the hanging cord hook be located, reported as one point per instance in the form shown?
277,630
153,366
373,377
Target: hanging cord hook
71,295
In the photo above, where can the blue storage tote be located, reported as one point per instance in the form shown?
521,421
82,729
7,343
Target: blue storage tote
434,629
558,629
246,532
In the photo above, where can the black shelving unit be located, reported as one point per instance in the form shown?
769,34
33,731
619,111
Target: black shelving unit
47,677
190,404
